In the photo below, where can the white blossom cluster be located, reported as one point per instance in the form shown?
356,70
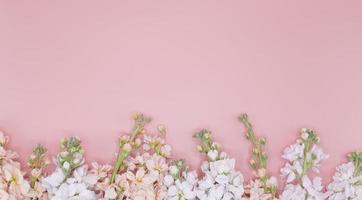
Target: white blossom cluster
76,187
179,183
347,181
70,180
302,157
220,181
144,170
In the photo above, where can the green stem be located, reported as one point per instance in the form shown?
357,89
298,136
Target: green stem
259,156
122,155
250,135
305,161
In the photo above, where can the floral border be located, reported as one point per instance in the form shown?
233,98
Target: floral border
144,169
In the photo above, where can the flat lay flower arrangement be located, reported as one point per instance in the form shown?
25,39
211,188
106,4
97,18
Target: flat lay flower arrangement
144,169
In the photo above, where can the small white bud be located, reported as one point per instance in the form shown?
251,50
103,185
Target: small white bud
76,161
304,135
66,165
212,155
64,153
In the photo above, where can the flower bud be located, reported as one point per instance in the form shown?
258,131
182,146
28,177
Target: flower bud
212,155
252,163
64,154
161,129
304,135
66,165
35,172
3,139
76,161
127,147
261,172
137,142
262,141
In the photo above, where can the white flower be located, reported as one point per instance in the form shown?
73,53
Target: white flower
345,184
291,171
168,180
73,191
191,177
319,156
180,187
221,181
4,195
53,181
344,172
293,192
73,188
303,156
221,170
110,193
293,152
307,191
80,175
181,190
314,188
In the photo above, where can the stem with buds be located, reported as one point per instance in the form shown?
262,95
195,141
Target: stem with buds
259,156
126,147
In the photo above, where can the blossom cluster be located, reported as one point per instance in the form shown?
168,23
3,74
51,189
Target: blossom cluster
347,182
221,181
303,156
145,169
70,180
180,183
13,185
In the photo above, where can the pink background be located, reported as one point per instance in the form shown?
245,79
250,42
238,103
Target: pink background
82,68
